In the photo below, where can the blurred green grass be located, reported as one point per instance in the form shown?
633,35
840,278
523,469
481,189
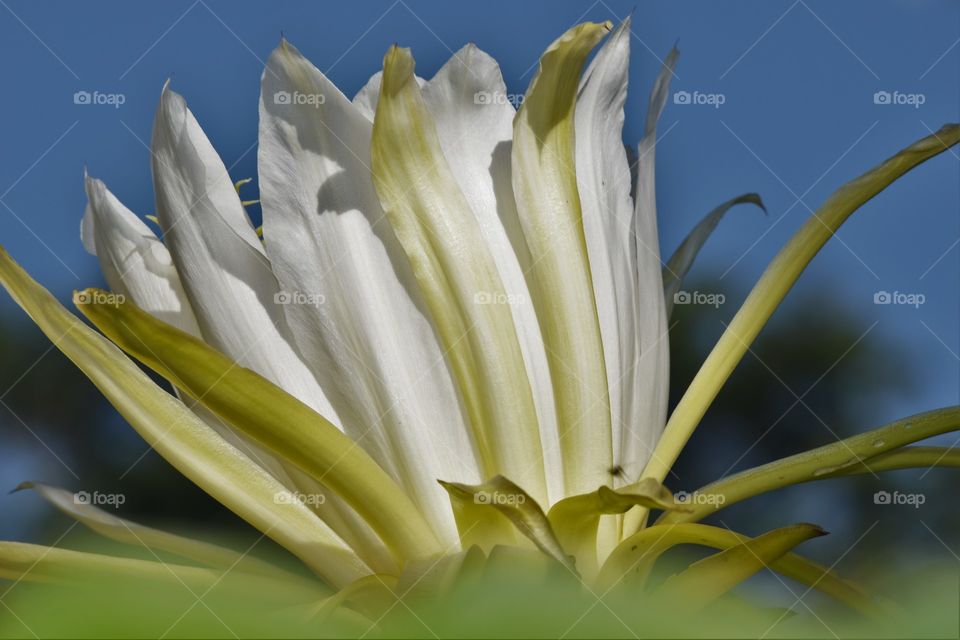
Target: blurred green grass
505,603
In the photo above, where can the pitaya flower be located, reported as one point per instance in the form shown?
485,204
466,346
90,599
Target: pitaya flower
451,333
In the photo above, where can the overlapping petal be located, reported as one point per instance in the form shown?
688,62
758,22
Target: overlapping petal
455,270
366,99
219,257
649,406
353,305
548,202
137,264
133,260
473,115
603,182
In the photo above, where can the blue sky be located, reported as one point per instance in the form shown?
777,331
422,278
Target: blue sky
798,119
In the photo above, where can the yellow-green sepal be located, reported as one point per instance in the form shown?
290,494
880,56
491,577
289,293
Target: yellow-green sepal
855,454
488,507
575,519
629,566
266,413
774,285
705,581
182,438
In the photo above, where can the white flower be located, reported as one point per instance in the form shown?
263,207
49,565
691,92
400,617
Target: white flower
397,209
456,313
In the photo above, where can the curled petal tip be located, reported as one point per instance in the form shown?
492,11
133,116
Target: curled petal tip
27,484
398,68
396,51
759,202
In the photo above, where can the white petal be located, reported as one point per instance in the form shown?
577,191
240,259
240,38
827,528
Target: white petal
653,368
137,264
474,120
220,258
366,99
366,339
133,260
436,226
603,180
